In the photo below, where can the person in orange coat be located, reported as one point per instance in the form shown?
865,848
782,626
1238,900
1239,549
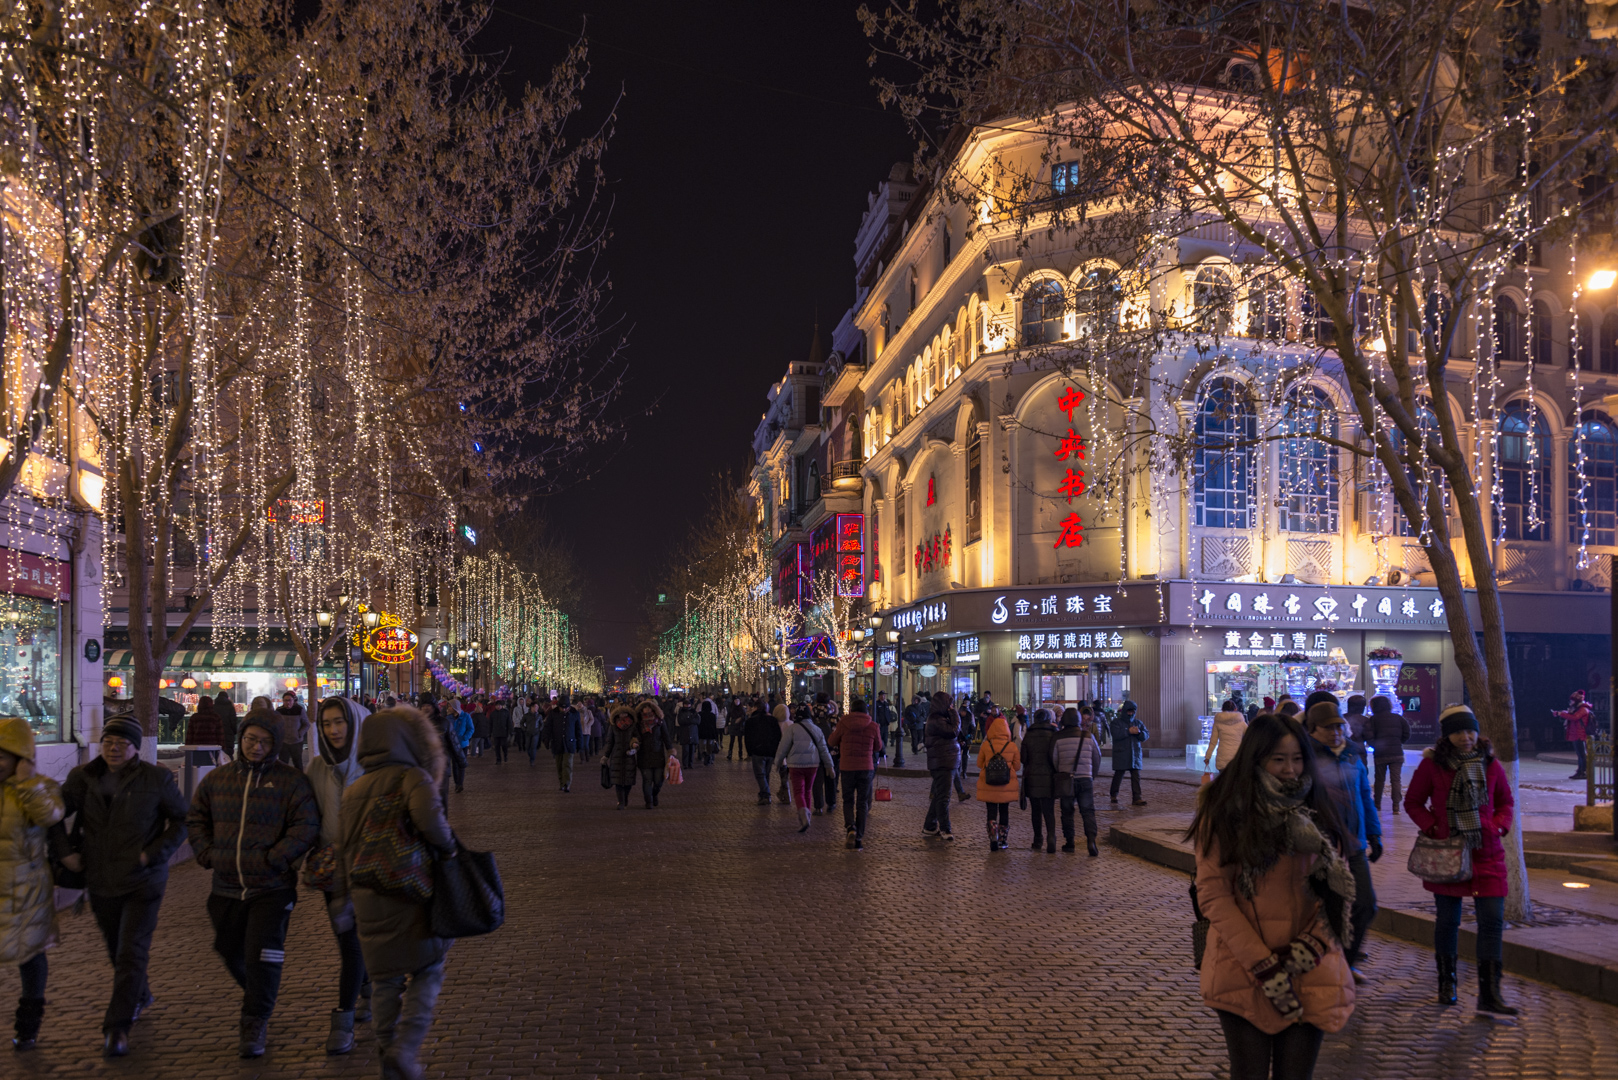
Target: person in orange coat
1272,881
998,757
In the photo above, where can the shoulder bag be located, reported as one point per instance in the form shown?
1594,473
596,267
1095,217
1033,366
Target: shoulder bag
468,897
1441,862
606,774
1199,930
390,857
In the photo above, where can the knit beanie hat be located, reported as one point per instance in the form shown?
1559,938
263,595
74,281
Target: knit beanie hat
1456,718
125,728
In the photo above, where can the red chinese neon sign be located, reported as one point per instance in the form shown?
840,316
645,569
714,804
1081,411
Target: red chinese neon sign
850,554
1070,448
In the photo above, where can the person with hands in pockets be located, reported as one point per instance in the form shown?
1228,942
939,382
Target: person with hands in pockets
1277,892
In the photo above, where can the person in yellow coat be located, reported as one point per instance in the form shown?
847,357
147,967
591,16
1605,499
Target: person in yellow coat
999,760
29,805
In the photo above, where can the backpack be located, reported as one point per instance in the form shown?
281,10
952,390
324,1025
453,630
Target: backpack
997,770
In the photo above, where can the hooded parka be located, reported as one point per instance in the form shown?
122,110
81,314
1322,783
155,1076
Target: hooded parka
27,894
998,740
620,762
332,772
1038,774
400,751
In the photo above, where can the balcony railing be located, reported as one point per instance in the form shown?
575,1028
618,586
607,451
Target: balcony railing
845,475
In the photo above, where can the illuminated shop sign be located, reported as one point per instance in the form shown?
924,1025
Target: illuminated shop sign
388,642
297,512
922,616
1072,645
1335,607
887,661
966,649
23,574
1269,645
851,555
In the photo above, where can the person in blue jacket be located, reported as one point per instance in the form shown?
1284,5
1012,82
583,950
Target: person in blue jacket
1341,769
1129,734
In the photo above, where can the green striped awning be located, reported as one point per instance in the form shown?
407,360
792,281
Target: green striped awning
219,660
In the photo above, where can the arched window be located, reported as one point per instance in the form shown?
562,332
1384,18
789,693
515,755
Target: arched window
1213,300
929,373
1609,342
1544,327
1267,308
1100,301
1592,500
1044,304
1525,474
1508,330
974,481
1226,456
1582,348
1308,479
1427,422
868,434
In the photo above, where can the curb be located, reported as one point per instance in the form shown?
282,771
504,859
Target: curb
1577,974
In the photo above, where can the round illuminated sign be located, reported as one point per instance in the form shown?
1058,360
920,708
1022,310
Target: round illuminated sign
927,671
389,645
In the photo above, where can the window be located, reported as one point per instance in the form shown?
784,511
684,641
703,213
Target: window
914,287
1609,342
1427,423
1308,479
1315,323
1544,326
1592,507
1267,308
1100,301
1508,330
1525,474
1226,457
974,482
1213,299
1044,305
944,239
900,565
1065,178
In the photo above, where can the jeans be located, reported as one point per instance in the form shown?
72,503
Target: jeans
402,1009
623,793
1364,909
33,976
733,743
533,748
688,755
126,924
1254,1055
457,769
501,749
1084,795
857,799
651,782
1134,783
249,936
1491,913
351,975
826,790
564,769
938,803
960,771
761,773
1388,770
1583,762
1044,815
915,739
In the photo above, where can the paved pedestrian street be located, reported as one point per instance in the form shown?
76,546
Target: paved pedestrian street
708,939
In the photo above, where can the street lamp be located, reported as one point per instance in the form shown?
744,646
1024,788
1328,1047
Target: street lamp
893,637
1603,279
372,618
874,621
323,617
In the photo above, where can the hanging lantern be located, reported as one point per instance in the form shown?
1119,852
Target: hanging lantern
291,683
188,683
115,682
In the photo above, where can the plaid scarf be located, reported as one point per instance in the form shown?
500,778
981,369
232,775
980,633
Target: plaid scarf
1468,792
1280,811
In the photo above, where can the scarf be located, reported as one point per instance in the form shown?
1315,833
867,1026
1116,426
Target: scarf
1280,812
1468,792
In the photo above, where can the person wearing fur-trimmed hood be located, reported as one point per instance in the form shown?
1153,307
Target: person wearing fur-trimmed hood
29,805
402,754
620,752
653,746
337,730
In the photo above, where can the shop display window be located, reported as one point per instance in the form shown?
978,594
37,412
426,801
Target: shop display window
1064,685
31,664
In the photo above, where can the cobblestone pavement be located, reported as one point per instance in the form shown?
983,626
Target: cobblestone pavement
708,939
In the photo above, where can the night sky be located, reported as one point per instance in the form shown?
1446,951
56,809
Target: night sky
748,136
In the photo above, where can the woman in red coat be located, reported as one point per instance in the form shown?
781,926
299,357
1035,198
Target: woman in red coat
1459,788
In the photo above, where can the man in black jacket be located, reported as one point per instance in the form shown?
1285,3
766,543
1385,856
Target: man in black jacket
761,735
131,820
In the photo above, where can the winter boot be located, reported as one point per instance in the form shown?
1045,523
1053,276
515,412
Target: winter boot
341,1039
255,1032
994,837
1489,1001
30,1014
362,1007
1446,980
400,1066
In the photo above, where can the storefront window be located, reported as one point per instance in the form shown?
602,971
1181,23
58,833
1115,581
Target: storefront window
1063,685
31,664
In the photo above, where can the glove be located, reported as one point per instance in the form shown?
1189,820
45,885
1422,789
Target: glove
1304,952
1276,982
204,858
1376,850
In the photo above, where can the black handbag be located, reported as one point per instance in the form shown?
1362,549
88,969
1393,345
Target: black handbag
606,775
61,843
468,898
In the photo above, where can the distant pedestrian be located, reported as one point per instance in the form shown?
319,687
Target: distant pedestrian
856,741
620,752
1039,778
1340,768
653,745
735,726
1128,735
29,805
707,731
500,729
131,821
1076,760
294,733
204,728
685,720
563,732
533,723
1459,789
998,763
1228,726
403,757
803,753
1386,733
1575,728
943,758
761,735
1273,884
250,822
